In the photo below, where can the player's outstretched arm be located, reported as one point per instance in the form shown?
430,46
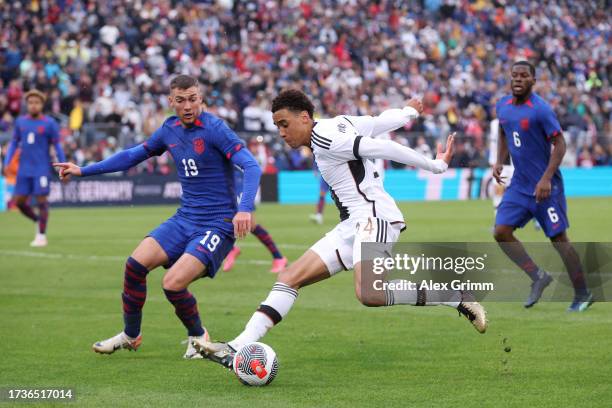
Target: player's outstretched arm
67,170
120,161
389,150
252,174
388,120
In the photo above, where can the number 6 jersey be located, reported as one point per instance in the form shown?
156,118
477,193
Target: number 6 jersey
529,129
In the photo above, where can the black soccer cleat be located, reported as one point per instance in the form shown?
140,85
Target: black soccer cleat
581,302
537,288
220,353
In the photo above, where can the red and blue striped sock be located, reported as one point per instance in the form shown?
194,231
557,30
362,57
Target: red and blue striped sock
43,217
267,240
134,295
186,308
27,211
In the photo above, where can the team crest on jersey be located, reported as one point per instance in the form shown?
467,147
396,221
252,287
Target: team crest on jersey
40,129
341,127
525,124
198,145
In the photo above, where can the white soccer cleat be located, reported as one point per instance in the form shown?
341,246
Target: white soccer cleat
192,353
118,342
39,241
316,218
475,313
220,353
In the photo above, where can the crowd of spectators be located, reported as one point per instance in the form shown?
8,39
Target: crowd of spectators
105,66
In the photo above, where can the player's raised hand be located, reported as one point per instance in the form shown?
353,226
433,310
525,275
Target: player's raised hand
497,174
242,224
447,154
417,104
67,170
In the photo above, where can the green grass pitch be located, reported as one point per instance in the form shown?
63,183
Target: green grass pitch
55,302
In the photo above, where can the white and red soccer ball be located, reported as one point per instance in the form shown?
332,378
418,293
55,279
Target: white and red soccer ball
255,364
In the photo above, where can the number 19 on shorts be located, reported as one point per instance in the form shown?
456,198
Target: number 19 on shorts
210,241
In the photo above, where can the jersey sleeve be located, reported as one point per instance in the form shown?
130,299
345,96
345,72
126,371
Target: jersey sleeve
155,145
549,122
225,140
336,142
387,121
363,124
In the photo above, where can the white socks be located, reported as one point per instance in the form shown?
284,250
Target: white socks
270,312
450,298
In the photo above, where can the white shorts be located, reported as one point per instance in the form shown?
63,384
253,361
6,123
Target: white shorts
340,248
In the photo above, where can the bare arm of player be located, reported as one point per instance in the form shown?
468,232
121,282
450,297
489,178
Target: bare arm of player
388,120
543,188
67,170
386,149
243,220
502,156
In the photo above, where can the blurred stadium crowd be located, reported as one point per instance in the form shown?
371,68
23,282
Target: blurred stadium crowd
105,67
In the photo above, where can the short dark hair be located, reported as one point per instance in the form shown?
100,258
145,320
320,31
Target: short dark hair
183,82
527,64
293,100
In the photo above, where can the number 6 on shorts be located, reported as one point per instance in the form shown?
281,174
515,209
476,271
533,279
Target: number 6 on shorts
554,218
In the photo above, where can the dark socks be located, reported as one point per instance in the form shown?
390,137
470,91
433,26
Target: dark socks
267,240
186,308
134,295
43,216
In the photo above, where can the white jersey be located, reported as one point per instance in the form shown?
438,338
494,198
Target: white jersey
356,187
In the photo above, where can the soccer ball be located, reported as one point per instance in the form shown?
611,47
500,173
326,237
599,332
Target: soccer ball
255,364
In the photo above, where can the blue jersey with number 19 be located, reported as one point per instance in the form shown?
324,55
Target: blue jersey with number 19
529,129
201,154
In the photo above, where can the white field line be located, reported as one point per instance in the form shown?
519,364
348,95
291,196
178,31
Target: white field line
112,258
238,243
103,258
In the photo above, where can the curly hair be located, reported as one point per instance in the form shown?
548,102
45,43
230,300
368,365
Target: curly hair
293,100
527,64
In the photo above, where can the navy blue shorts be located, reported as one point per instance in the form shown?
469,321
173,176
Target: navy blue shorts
516,209
210,243
37,186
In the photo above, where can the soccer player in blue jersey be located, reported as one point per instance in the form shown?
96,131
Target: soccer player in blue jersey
194,241
529,128
34,134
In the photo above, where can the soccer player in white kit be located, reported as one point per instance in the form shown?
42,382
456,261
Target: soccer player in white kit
342,147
